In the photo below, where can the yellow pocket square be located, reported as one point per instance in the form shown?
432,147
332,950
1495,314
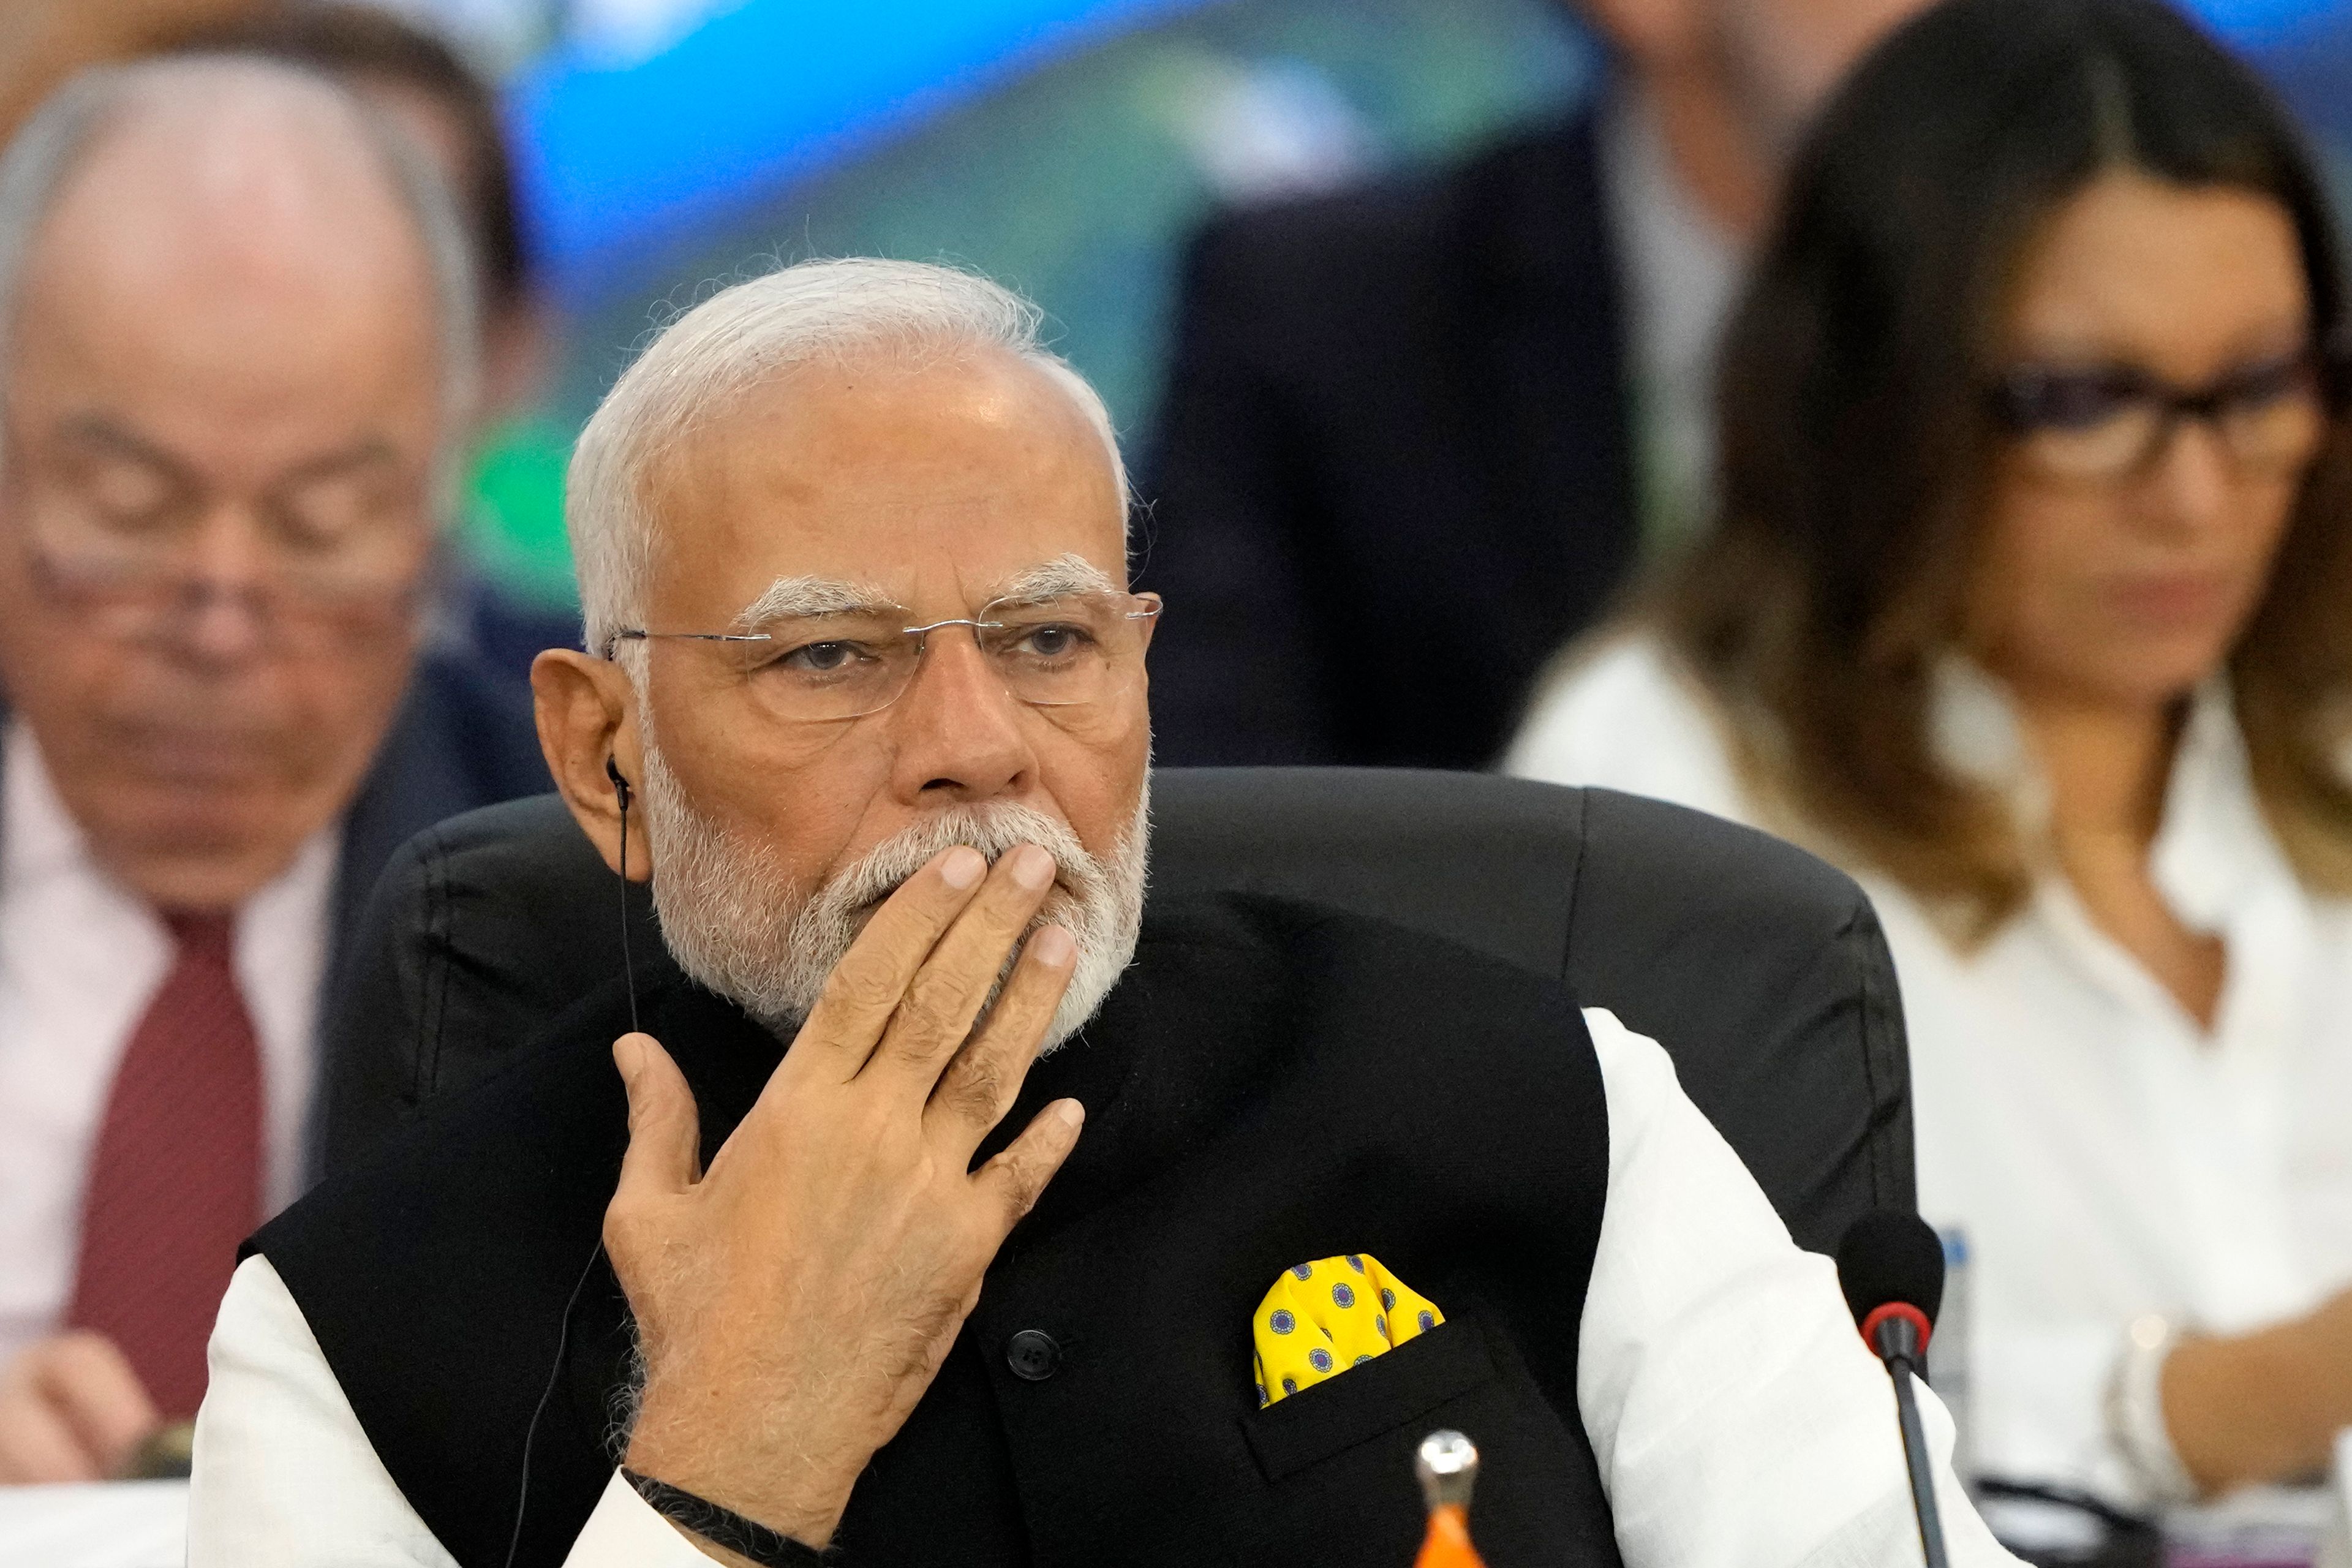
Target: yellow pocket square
1324,1317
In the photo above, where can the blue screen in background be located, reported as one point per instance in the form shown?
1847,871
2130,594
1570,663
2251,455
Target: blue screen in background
2256,23
611,157
617,157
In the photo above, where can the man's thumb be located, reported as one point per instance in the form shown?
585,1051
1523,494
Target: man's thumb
664,1131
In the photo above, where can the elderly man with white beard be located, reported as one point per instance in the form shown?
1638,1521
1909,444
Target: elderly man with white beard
827,1272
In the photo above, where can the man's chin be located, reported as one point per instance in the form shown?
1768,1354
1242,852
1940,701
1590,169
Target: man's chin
178,851
181,879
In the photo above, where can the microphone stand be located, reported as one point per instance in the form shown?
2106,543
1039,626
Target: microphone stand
1896,1339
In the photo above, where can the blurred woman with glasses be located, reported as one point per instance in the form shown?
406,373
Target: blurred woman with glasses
2031,604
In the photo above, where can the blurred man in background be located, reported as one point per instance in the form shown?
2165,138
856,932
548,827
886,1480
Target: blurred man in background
1460,407
238,346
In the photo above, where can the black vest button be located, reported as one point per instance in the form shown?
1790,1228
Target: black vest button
1033,1355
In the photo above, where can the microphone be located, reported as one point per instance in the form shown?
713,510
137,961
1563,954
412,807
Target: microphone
1891,1267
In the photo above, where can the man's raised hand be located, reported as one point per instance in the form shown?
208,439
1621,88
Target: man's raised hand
794,1302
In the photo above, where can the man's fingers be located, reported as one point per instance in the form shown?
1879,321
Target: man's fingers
88,1381
665,1130
1016,1177
947,992
871,979
38,1448
982,1082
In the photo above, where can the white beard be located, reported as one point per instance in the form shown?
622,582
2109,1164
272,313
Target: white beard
735,923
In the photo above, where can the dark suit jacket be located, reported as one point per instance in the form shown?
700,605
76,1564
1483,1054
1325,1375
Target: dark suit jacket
463,738
1270,1084
1392,472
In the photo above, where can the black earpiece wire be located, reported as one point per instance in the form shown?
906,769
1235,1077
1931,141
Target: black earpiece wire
571,1302
628,963
554,1371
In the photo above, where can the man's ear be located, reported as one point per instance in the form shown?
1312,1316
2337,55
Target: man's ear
587,717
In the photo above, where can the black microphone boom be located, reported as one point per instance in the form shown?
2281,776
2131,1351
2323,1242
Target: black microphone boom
1891,1267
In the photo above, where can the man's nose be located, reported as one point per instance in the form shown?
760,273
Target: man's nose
958,730
222,617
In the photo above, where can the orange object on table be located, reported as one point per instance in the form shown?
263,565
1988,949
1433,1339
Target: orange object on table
1447,1465
1447,1543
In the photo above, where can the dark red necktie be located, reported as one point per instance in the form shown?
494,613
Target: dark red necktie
175,1178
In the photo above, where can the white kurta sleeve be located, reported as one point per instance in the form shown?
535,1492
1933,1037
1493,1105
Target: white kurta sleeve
285,1478
1737,1418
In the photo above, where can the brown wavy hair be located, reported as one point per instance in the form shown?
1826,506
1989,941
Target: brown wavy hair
1858,443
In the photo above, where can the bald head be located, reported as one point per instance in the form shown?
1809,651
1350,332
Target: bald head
265,191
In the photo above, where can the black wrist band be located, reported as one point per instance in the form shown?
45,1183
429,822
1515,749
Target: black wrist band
724,1526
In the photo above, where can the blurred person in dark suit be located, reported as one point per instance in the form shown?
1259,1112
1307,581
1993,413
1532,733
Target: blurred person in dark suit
237,346
415,78
1465,400
2028,605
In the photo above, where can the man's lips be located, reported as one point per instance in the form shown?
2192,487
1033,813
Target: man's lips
191,755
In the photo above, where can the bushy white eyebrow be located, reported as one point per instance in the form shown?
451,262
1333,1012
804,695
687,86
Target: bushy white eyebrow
791,596
817,597
1056,579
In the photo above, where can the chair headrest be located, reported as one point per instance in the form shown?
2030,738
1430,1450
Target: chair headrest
1761,969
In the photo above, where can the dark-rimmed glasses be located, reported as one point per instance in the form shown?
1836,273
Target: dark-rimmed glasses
2100,424
1072,650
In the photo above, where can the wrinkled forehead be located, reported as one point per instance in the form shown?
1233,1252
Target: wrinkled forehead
936,486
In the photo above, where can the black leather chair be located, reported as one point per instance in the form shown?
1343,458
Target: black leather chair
1760,970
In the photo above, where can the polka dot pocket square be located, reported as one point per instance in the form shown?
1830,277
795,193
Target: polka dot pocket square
1324,1317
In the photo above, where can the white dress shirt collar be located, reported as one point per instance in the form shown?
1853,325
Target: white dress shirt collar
2213,853
42,841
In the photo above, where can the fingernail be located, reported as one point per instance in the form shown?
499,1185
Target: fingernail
629,1056
1033,867
963,867
1053,946
1071,1112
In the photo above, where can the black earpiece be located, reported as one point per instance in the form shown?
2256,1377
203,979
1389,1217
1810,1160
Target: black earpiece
620,785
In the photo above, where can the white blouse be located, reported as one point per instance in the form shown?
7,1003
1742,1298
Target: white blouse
2105,1156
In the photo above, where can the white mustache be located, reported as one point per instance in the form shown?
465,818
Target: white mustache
994,831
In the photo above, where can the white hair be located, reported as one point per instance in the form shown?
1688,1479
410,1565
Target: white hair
39,163
816,311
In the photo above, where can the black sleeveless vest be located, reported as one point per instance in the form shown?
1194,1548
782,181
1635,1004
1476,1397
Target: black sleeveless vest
1271,1083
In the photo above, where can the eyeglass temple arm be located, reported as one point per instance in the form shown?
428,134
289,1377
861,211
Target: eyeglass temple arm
635,634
